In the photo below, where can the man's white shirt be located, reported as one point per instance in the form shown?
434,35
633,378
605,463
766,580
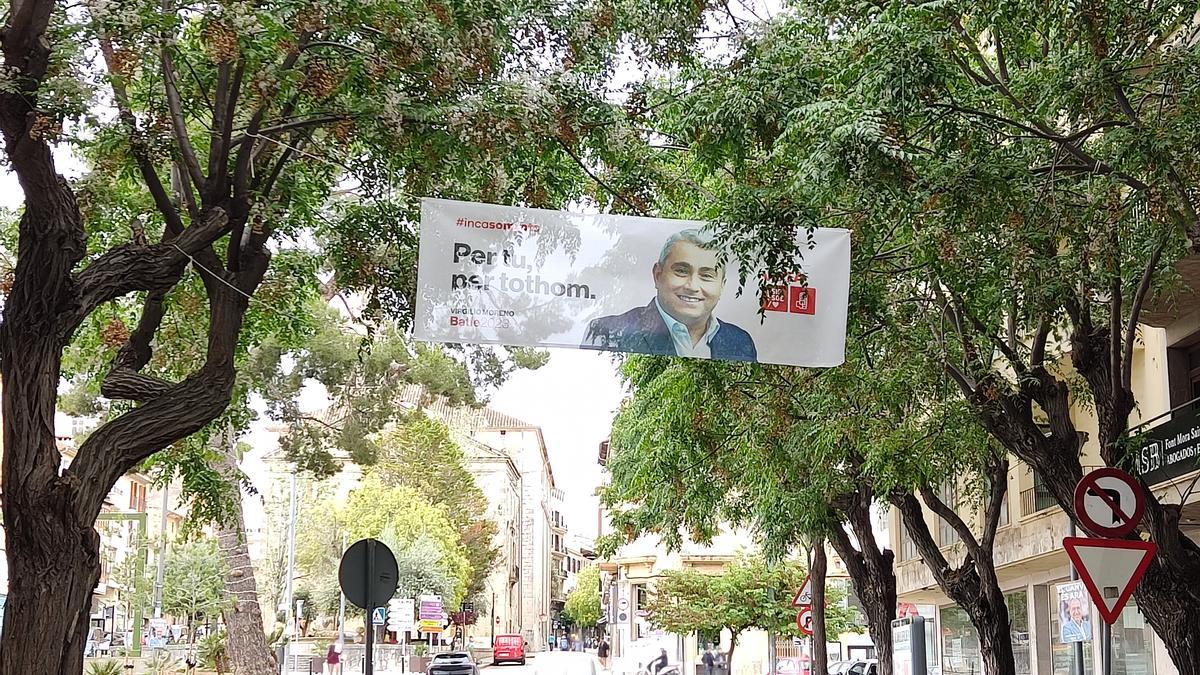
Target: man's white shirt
683,339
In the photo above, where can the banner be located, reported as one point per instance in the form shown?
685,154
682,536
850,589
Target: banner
1074,613
530,277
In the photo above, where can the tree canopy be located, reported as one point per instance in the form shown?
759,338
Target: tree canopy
583,602
747,593
194,580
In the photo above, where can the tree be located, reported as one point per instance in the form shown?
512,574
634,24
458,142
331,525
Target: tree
429,554
583,602
701,444
748,593
420,454
226,133
1024,225
194,581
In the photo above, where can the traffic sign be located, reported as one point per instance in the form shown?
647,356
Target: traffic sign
352,573
401,615
378,617
804,620
1110,569
804,595
1109,502
430,626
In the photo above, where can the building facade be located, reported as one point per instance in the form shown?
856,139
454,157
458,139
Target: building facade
1030,561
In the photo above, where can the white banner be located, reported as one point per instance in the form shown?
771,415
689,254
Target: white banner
531,277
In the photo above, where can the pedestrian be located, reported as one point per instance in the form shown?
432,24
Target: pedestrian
709,660
333,658
602,653
190,663
550,640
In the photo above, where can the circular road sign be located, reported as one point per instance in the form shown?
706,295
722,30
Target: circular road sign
353,576
804,620
1109,502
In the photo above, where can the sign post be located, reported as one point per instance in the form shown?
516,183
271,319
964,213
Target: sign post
368,575
1109,503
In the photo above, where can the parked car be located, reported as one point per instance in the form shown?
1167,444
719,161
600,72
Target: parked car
453,663
508,649
855,667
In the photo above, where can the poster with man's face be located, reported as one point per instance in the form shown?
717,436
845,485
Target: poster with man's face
1074,613
530,277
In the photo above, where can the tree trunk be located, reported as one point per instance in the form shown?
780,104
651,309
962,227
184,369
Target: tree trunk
729,653
246,642
50,596
995,644
973,586
871,569
820,662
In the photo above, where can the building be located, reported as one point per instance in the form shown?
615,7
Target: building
524,444
580,554
508,459
1030,561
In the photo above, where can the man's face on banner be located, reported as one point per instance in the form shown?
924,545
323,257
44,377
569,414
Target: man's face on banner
689,283
1076,609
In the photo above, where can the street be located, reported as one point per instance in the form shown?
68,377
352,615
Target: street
551,663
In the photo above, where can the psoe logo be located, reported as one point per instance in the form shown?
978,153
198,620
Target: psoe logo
790,299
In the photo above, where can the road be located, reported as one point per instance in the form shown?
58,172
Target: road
551,663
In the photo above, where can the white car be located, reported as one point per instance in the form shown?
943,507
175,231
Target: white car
855,667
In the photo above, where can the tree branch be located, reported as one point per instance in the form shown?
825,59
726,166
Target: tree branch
948,514
178,122
998,487
137,145
132,267
1135,311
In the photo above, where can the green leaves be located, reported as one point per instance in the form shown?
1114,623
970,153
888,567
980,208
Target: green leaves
747,592
194,579
583,602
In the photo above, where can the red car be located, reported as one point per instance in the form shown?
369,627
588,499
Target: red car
508,648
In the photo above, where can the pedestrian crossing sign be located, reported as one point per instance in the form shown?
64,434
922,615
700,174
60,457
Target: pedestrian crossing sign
377,616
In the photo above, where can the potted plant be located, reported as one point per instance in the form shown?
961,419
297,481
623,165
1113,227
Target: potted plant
419,658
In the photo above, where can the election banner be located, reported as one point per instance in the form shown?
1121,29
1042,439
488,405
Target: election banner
530,277
1074,613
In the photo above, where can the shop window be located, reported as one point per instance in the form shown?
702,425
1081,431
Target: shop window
1133,646
1018,620
960,643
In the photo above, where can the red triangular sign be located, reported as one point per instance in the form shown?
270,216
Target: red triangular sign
1110,569
804,595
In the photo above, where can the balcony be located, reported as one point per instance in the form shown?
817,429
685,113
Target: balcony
1162,309
1039,498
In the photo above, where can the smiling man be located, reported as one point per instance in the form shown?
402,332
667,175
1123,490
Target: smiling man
689,279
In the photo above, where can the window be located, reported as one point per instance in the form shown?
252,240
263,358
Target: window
960,643
137,497
948,493
1018,621
1003,503
641,598
908,548
1183,372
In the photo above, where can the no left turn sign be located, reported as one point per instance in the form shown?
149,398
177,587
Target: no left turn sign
1109,502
